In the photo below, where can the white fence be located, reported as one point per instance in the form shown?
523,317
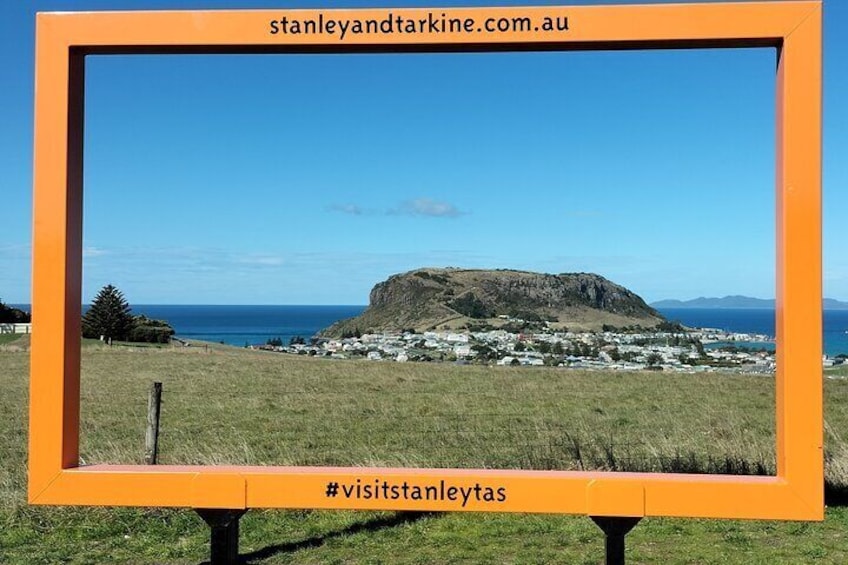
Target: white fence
15,328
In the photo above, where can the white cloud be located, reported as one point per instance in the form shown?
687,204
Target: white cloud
427,207
262,261
352,209
89,252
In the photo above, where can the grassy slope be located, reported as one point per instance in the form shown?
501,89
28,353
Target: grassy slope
242,407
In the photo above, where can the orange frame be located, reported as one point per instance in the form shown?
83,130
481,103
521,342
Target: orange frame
63,41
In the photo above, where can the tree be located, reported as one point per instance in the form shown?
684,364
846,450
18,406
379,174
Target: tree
699,347
109,316
484,353
9,315
654,359
670,327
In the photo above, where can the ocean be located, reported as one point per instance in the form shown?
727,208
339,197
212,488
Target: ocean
760,321
251,325
240,325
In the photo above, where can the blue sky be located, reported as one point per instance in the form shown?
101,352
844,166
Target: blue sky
306,179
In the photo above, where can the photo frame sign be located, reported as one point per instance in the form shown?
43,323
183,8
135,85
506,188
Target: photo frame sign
64,40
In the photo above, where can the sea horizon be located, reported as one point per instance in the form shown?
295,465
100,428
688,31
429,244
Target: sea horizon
255,324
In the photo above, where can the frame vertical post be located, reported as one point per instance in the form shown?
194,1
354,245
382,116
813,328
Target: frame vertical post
57,257
799,260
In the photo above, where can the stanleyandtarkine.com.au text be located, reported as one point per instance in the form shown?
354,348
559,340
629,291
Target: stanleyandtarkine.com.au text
431,23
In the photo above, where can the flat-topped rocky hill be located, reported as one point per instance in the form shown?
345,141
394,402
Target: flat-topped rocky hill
435,298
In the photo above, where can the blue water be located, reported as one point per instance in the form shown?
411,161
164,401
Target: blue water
240,325
760,321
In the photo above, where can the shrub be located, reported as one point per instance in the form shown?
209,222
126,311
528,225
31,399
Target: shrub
654,359
470,305
146,330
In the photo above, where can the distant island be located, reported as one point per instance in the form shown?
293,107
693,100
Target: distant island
469,299
737,301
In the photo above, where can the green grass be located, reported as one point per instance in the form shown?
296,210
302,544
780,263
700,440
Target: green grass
90,342
9,338
838,371
227,405
291,410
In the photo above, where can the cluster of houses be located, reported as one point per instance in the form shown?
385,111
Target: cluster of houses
689,351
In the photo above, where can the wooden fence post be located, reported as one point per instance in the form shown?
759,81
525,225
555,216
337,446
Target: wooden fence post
151,438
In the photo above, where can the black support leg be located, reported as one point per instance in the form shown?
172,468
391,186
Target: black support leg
224,540
615,529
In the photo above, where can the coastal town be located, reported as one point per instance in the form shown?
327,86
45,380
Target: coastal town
681,350
519,318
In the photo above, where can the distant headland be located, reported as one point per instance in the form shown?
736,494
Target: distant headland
737,301
454,298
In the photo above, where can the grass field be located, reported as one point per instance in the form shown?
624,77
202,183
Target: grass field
227,405
9,338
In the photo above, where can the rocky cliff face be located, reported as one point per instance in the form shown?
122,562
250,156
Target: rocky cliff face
452,298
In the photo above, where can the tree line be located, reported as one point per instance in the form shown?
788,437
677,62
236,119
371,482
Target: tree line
110,318
9,315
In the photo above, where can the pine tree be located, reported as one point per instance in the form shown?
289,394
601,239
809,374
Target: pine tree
109,316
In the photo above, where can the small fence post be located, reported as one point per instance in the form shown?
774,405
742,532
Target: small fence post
151,438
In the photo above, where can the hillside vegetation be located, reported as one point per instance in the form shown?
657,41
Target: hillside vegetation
427,299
